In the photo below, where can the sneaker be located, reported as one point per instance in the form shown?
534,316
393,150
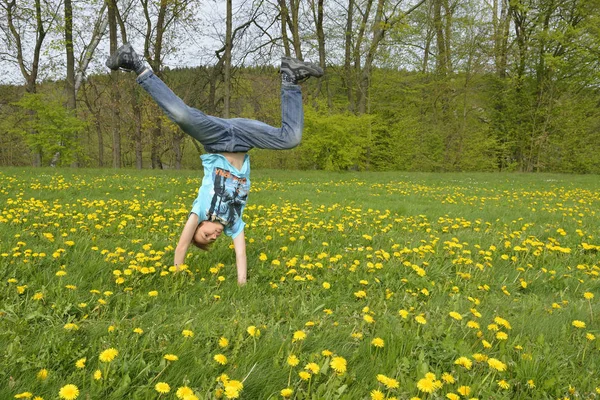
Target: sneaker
125,59
296,71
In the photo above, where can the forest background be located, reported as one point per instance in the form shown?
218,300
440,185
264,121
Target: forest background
428,85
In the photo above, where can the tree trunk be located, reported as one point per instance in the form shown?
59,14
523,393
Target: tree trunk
295,28
116,97
348,71
438,23
71,103
30,75
365,80
283,12
227,62
70,81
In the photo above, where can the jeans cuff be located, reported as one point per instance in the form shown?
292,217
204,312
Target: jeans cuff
293,88
142,77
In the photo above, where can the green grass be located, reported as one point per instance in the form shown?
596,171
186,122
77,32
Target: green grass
429,244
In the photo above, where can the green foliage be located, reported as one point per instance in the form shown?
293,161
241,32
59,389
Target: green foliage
335,142
47,126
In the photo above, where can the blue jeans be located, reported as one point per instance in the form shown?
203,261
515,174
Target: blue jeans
235,134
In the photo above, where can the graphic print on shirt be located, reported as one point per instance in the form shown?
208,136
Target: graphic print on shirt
229,198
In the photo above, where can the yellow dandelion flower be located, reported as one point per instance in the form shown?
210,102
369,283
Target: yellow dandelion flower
68,392
486,344
339,365
501,336
464,390
231,392
368,319
292,360
391,383
24,395
253,331
108,355
220,358
403,313
378,342
496,364
97,374
452,396
170,357
590,336
287,392
153,293
455,315
194,397
235,384
80,363
361,294
313,368
448,378
162,387
187,333
578,324
531,384
326,285
472,325
588,295
42,374
304,375
503,384
377,395
71,327
421,319
299,336
502,322
223,342
139,331
326,353
426,385
183,391
464,362
480,357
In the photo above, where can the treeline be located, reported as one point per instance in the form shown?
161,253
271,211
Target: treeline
429,85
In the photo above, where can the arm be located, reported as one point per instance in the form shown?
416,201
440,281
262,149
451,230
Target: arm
239,244
185,239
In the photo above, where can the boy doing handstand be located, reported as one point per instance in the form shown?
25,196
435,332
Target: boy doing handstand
224,191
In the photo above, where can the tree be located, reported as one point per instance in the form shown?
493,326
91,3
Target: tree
55,126
20,20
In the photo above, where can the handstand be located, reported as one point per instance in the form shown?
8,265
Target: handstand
226,183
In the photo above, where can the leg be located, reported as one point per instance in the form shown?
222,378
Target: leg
214,133
249,133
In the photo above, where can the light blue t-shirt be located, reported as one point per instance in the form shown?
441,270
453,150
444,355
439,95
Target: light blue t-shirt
223,193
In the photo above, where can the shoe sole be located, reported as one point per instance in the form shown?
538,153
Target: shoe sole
112,61
294,65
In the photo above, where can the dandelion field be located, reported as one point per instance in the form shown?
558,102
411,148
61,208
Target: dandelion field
361,286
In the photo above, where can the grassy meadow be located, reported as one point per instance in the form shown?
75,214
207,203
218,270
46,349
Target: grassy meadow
361,286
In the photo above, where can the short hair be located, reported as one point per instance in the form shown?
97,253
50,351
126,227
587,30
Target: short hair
201,246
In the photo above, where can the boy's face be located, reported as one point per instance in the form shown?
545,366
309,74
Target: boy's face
208,232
